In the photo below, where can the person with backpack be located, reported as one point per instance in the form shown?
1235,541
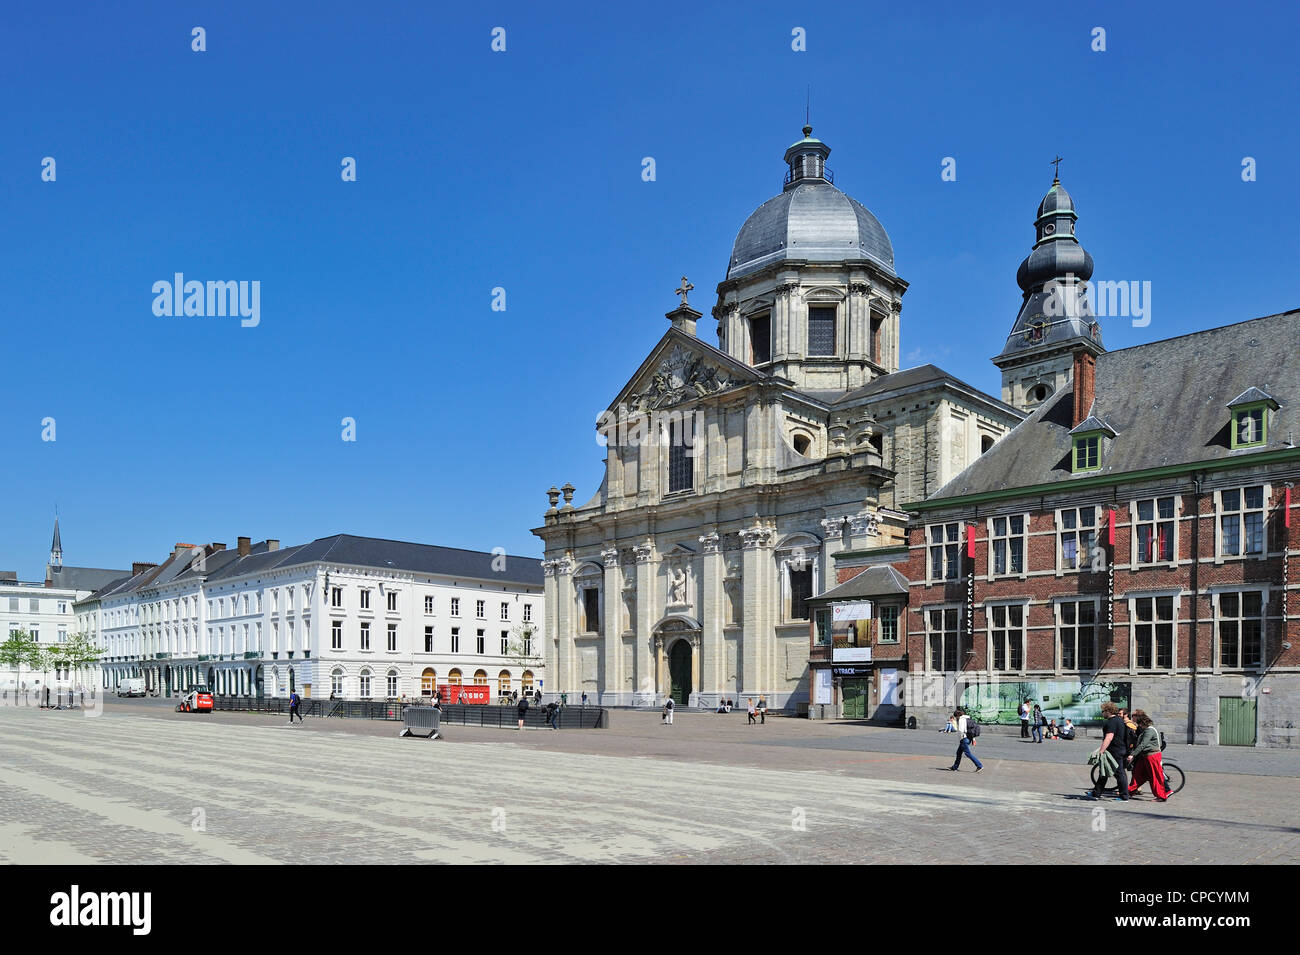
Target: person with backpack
1146,760
1024,719
968,732
521,710
552,714
1038,721
294,701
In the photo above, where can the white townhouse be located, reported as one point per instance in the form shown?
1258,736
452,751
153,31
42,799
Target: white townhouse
352,617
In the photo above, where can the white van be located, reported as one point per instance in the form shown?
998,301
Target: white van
131,686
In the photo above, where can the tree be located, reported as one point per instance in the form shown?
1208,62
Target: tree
17,651
80,651
45,659
523,649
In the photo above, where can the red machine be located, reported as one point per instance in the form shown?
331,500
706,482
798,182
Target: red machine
197,700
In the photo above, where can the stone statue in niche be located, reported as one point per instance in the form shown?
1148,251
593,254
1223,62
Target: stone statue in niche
677,587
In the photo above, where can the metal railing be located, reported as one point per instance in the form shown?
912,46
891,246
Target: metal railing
568,717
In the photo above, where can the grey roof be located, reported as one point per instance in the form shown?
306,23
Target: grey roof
57,543
811,220
879,581
1092,423
1250,396
1166,400
82,578
917,377
398,555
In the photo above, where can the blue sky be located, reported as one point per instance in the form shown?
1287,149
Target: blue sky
522,170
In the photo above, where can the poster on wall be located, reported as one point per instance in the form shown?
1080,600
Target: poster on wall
889,687
857,610
999,701
823,687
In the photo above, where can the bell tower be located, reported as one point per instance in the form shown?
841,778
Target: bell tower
1055,318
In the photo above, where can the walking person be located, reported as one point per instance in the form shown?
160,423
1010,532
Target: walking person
1024,719
1146,760
968,731
552,714
752,711
1038,723
521,710
668,711
294,700
762,709
1113,749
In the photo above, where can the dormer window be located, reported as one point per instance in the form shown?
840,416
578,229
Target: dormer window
1086,452
1250,412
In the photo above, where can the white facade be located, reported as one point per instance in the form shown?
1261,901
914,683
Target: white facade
322,628
46,616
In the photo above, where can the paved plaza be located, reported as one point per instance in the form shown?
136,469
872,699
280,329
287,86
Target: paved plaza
143,784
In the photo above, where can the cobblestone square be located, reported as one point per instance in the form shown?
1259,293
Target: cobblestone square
142,784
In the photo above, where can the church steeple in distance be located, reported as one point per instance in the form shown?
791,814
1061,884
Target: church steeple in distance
56,546
1055,317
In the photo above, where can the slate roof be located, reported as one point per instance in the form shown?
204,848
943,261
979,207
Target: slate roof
880,581
1167,400
917,377
83,578
421,558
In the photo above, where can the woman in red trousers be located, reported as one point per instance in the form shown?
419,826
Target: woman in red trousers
1146,760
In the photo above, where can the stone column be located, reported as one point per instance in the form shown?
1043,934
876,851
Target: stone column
696,670
647,604
757,627
713,612
613,625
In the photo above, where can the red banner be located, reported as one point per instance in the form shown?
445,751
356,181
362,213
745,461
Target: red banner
970,540
1286,522
1110,527
456,693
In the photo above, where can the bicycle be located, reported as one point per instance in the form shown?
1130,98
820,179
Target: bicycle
1175,778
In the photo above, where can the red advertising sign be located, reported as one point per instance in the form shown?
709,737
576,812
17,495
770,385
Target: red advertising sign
456,693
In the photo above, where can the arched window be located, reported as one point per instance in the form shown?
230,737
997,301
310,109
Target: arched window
503,682
336,681
454,677
986,442
802,444
428,681
1039,393
392,684
526,681
365,684
480,678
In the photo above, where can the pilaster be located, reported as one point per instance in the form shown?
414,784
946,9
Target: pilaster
713,611
613,623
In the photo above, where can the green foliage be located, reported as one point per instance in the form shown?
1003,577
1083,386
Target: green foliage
19,650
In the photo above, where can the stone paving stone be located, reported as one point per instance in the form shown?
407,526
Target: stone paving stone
124,787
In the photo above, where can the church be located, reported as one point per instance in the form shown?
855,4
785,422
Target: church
736,472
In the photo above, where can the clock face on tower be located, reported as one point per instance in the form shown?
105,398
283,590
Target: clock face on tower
1036,329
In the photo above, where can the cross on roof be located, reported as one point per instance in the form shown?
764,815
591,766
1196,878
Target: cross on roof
1057,163
683,289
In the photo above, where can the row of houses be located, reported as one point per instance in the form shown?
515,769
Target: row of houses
343,616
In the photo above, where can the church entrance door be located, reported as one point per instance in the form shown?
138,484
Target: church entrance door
679,672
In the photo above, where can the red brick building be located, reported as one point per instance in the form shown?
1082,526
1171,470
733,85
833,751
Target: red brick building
1133,539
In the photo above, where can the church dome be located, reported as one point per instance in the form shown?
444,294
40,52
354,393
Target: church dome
1056,202
809,220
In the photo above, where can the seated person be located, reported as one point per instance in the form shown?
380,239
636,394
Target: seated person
722,706
1067,731
1053,731
951,726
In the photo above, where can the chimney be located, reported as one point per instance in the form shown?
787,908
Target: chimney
245,546
214,547
684,318
272,544
1085,383
140,566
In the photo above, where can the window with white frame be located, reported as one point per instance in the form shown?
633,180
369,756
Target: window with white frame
1076,634
428,639
1240,620
1241,521
943,551
392,684
889,623
428,603
943,638
1153,632
505,610
336,682
1007,633
365,599
455,639
528,613
336,596
1076,535
1007,544
336,634
365,636
392,638
392,600
480,609
1155,530
505,642
364,682
480,641
455,606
